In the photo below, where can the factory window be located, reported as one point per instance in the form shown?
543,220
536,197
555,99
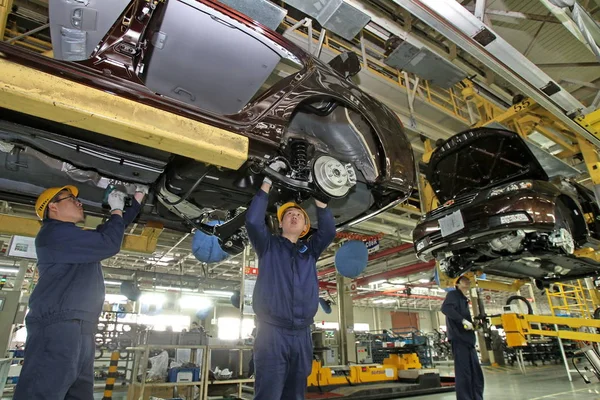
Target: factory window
229,328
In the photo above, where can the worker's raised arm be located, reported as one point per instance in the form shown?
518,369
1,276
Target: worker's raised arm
68,244
326,232
450,307
258,233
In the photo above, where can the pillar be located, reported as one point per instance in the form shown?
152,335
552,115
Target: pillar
346,321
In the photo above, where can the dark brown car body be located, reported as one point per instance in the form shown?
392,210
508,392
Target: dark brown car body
512,213
309,104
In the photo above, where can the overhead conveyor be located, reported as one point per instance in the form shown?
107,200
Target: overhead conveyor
464,29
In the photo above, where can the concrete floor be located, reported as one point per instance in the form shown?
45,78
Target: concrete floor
548,382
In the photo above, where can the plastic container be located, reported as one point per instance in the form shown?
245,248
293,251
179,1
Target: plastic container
184,375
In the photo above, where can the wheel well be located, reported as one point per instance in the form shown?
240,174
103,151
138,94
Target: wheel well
343,132
568,207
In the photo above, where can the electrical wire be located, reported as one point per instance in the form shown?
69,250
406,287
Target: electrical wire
190,191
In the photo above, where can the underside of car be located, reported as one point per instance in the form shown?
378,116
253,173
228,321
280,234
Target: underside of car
187,193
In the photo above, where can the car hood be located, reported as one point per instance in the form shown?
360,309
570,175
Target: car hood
479,158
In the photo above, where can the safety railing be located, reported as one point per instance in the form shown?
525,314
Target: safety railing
572,300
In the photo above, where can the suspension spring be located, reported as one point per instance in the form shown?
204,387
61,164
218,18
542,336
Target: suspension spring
300,158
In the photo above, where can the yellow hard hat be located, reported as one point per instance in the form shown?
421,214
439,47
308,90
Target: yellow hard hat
47,195
289,205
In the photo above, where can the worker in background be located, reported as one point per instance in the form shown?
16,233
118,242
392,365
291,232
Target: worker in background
467,370
285,297
67,301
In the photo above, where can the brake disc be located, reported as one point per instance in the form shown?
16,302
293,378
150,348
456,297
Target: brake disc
332,177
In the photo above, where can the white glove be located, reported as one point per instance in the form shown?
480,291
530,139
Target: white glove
468,325
275,166
116,200
278,165
141,189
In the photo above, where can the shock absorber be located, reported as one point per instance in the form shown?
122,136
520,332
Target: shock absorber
299,158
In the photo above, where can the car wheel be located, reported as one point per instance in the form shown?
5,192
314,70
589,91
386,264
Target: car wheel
562,236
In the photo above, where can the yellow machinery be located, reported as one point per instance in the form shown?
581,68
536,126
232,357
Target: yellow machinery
518,326
367,373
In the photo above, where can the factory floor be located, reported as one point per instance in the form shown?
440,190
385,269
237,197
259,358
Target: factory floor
549,382
545,382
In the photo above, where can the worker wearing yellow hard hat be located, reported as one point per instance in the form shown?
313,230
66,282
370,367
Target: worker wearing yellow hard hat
290,207
47,195
286,294
67,300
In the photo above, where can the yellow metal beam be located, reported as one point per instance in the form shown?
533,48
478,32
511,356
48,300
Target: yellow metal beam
50,97
5,7
592,161
144,243
591,122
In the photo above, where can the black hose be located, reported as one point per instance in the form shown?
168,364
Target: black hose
585,378
529,308
189,192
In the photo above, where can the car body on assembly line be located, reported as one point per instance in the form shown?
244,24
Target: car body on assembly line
205,61
502,215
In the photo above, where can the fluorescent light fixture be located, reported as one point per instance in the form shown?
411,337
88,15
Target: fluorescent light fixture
112,283
115,298
195,302
398,281
378,282
176,289
167,258
218,293
384,301
424,280
9,270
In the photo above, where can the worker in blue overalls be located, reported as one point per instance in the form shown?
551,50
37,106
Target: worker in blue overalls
286,295
467,370
67,301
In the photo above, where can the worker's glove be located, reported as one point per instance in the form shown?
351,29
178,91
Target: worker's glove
141,189
277,166
468,325
116,200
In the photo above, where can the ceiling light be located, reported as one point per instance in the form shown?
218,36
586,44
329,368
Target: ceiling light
167,259
112,283
424,280
384,301
218,293
378,282
9,270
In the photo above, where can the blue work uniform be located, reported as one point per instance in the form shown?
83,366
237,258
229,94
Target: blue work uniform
285,300
65,306
467,370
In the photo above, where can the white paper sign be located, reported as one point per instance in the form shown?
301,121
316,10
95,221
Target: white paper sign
22,246
451,223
